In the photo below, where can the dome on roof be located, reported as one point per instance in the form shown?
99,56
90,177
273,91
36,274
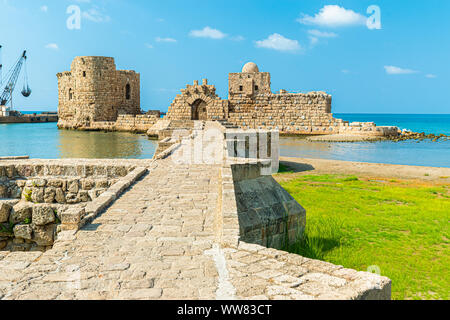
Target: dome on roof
250,68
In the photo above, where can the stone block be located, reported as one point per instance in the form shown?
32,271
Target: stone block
21,212
60,197
5,210
44,235
72,216
43,215
37,195
23,231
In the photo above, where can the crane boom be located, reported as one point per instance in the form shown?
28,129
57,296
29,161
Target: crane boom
11,82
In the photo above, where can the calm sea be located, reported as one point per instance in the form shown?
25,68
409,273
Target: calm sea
45,141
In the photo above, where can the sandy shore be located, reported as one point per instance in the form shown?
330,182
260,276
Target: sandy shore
322,166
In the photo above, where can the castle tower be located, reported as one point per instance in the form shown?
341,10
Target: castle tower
249,82
95,91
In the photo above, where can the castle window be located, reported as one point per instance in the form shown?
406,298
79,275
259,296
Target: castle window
128,91
241,88
84,74
70,94
256,88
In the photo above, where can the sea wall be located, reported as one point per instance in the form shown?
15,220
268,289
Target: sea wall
29,119
124,122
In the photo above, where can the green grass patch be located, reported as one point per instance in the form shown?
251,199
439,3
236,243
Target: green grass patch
401,227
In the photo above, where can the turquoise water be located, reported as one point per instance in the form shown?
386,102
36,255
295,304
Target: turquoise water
419,153
45,141
428,123
424,153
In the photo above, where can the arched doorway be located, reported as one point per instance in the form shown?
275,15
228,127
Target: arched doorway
199,110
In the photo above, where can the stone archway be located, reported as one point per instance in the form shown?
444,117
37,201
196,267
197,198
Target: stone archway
199,110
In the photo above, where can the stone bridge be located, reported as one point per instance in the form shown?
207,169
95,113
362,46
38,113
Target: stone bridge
186,231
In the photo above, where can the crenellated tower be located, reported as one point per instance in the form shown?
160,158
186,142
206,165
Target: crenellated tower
95,91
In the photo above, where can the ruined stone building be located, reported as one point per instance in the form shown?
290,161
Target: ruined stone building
94,91
252,105
96,96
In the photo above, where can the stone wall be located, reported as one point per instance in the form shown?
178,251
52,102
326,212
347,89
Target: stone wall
252,105
266,214
95,91
40,198
138,123
198,102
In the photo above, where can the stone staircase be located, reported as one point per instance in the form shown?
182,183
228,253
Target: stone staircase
228,125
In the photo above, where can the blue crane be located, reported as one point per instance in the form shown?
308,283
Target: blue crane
11,80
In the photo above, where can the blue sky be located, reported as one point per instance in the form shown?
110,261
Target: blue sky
305,45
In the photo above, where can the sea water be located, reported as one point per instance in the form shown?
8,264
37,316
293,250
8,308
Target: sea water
45,141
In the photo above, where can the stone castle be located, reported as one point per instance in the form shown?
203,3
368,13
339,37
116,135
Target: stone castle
95,96
94,91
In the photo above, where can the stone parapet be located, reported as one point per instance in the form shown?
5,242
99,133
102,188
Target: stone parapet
38,199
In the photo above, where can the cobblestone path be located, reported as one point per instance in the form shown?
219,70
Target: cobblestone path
158,241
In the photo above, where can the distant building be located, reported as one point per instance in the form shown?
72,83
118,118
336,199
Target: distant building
4,111
95,91
96,96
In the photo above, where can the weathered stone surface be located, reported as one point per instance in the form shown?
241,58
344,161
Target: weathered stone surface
23,231
49,195
73,186
37,195
42,215
21,212
3,191
60,196
44,235
39,183
16,192
72,216
5,209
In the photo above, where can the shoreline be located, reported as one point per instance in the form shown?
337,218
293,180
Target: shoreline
300,166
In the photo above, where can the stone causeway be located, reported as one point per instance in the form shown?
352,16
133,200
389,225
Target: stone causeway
167,229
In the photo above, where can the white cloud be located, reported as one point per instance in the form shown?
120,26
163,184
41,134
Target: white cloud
313,40
148,45
397,70
322,34
158,39
345,71
44,9
314,36
94,15
238,38
52,46
207,32
278,42
431,76
334,16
